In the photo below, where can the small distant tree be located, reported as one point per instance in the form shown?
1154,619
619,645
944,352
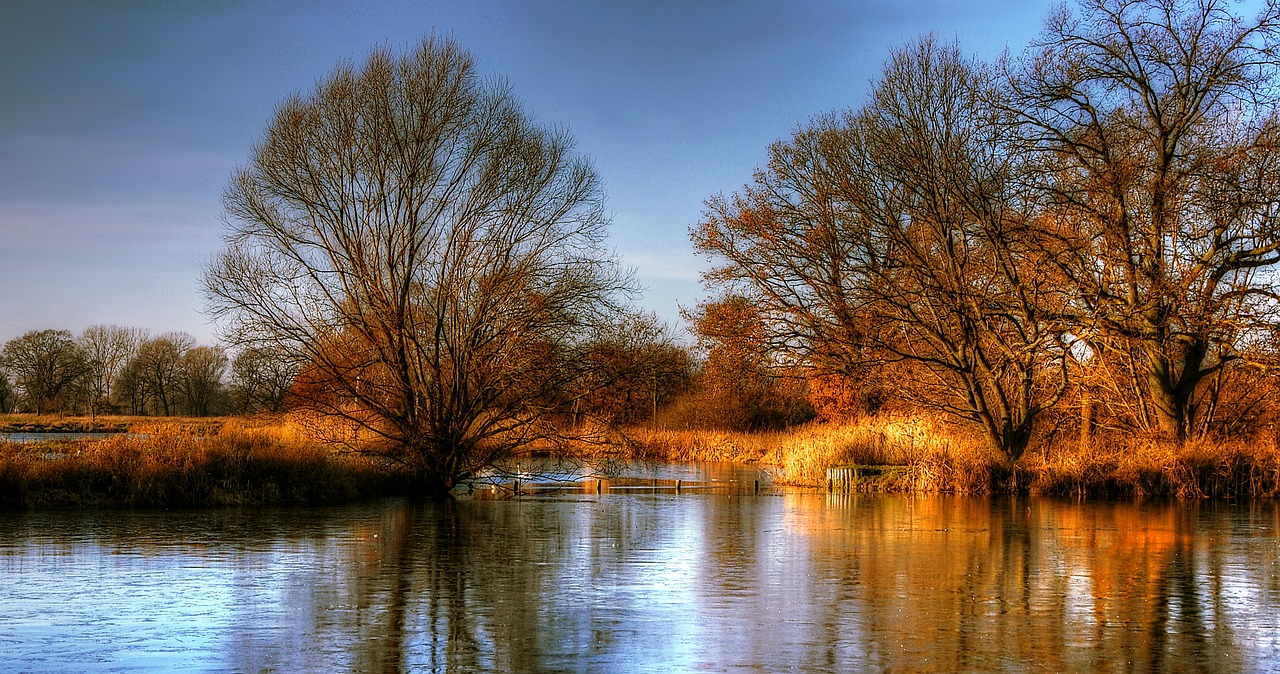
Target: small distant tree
200,383
106,349
432,260
6,392
742,383
632,372
129,391
261,379
157,372
46,366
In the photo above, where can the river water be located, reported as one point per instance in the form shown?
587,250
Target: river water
24,438
648,580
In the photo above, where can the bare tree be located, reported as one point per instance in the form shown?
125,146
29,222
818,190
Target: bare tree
433,257
106,349
202,370
157,370
46,366
1156,128
261,379
899,232
6,393
130,391
631,371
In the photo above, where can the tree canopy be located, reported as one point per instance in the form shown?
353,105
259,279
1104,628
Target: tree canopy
433,259
1106,204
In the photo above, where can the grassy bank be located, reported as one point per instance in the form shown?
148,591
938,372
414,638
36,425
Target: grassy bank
926,457
237,465
211,462
55,423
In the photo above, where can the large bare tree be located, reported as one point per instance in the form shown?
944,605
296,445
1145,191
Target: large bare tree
1155,123
966,294
899,232
433,257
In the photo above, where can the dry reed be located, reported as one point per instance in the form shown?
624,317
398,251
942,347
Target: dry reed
260,460
931,457
238,466
1146,467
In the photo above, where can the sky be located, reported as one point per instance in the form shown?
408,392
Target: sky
121,121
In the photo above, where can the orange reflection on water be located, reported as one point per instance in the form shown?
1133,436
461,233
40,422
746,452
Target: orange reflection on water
970,583
650,582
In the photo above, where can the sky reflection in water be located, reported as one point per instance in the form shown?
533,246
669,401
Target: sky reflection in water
647,582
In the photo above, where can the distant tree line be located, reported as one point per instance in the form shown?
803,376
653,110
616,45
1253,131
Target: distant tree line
632,371
1087,235
109,369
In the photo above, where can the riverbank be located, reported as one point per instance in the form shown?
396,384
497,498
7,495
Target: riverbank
913,455
51,423
185,462
28,423
184,467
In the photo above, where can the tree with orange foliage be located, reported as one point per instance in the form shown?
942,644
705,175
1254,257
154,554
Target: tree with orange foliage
898,233
1157,133
742,383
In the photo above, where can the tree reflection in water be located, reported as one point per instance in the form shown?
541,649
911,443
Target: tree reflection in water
653,582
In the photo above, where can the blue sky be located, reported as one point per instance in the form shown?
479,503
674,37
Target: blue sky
120,122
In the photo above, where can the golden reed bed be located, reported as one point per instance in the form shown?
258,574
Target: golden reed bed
258,461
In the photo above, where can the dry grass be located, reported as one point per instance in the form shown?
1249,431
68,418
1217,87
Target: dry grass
260,460
1153,468
802,455
937,458
31,423
52,423
238,464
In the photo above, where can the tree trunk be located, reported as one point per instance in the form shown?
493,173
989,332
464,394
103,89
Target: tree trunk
1088,419
1168,408
1016,439
1010,439
1171,383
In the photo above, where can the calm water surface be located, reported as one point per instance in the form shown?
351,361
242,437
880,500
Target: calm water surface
700,581
24,438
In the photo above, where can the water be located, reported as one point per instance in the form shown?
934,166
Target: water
42,436
722,580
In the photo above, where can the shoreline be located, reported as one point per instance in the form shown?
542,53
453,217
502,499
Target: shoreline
911,455
211,462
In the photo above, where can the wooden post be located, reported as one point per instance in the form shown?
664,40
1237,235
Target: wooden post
599,486
515,487
842,479
677,486
757,486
